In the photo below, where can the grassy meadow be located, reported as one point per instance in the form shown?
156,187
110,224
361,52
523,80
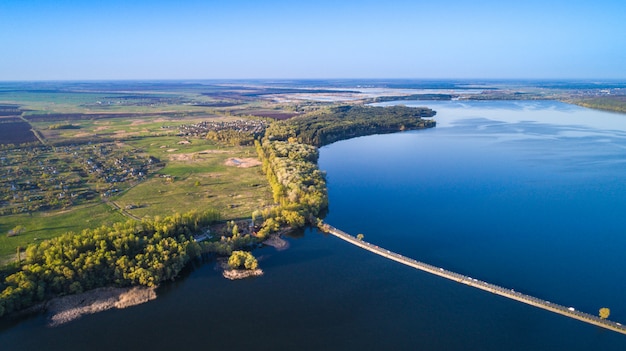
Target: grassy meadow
45,225
196,177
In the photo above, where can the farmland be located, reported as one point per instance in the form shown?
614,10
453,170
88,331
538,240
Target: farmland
15,132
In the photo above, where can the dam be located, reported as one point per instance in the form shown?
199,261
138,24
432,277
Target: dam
475,283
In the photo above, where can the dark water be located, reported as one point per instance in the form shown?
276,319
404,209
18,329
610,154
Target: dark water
527,195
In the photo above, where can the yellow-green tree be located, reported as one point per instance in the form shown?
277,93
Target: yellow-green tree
360,236
239,259
604,313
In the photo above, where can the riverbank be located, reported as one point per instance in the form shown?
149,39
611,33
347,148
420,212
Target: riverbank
61,310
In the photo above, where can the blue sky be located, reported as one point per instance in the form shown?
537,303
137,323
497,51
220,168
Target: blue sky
215,39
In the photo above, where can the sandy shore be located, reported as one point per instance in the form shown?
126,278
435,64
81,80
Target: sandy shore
68,308
234,274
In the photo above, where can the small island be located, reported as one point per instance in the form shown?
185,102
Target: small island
241,264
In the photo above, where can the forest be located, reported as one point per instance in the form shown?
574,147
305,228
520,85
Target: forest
331,124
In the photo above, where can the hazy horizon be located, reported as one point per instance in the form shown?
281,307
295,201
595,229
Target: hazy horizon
277,40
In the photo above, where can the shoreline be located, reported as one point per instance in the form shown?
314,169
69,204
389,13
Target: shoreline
61,310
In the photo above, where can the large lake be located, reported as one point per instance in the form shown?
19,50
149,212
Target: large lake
527,195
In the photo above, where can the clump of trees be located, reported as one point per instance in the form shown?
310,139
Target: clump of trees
231,137
131,253
63,126
242,259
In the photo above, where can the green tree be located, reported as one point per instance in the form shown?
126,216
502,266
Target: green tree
360,236
604,313
239,259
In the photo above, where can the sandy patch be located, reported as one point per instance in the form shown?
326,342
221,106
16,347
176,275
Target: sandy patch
193,155
184,142
68,308
234,274
98,129
171,150
204,152
243,162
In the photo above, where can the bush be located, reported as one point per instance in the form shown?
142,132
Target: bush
16,231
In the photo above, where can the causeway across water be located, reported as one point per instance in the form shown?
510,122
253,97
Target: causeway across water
495,289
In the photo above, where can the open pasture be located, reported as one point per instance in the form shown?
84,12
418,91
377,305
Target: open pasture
196,177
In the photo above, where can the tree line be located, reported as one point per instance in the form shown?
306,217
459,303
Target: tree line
298,186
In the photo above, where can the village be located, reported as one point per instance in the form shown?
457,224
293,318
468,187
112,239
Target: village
253,127
43,178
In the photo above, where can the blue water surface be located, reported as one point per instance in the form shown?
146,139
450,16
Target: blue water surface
529,195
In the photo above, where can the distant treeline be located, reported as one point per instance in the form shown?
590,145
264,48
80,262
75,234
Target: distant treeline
615,103
443,97
50,117
338,123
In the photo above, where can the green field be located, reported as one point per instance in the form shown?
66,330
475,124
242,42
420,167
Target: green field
45,225
196,177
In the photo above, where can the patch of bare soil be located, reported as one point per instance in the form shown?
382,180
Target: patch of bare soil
192,156
243,162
